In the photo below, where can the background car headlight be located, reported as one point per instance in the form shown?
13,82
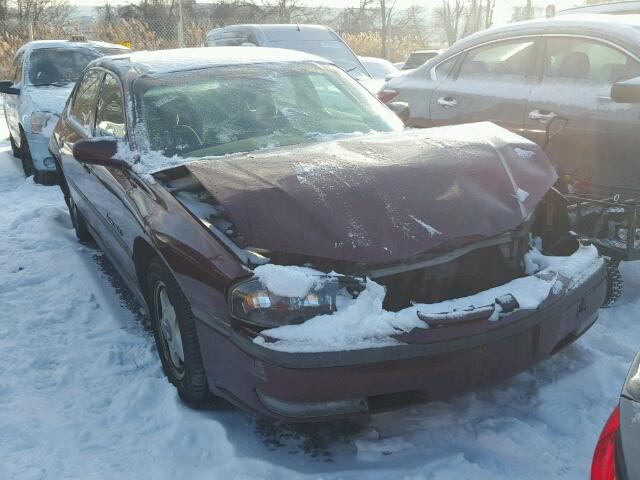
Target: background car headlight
253,303
39,121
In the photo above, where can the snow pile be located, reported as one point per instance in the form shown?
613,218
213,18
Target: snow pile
363,322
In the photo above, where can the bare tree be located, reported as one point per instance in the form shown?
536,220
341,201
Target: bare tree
51,12
450,16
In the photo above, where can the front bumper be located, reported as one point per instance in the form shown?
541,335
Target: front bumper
39,149
322,386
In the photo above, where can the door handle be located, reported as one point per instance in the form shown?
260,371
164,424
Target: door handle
542,116
447,102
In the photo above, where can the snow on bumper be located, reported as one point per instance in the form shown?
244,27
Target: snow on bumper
363,323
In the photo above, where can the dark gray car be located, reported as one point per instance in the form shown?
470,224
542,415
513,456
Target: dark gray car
616,454
524,75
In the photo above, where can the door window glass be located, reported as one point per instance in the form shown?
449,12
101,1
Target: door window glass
499,61
83,109
110,116
587,61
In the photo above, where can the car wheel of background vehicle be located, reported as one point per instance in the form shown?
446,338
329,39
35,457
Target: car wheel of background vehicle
175,333
45,177
25,156
615,283
79,222
14,148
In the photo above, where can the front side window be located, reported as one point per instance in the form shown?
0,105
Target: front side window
58,66
110,119
586,61
223,110
83,108
508,60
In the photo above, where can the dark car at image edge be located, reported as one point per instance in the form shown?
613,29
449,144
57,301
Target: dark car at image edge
265,163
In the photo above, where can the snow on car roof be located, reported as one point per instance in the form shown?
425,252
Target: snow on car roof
164,61
90,44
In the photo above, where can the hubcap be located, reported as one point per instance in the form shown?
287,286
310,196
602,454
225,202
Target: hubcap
169,328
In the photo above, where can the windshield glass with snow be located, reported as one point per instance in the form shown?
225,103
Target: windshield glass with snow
58,66
224,110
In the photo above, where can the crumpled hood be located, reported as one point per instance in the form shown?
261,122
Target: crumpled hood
48,99
382,197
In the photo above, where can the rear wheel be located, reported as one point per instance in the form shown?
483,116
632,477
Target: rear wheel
615,283
175,333
79,222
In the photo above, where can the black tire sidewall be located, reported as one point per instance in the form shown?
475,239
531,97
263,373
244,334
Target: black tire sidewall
79,223
192,386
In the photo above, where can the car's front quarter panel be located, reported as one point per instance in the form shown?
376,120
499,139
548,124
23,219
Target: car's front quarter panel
201,265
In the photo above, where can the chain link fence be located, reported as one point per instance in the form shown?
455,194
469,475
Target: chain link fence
154,33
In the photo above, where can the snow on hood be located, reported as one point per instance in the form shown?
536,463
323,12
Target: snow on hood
383,197
363,322
47,99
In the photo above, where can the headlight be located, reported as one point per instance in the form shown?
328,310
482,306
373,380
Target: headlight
253,303
39,121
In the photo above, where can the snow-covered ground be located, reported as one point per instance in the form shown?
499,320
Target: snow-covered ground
82,394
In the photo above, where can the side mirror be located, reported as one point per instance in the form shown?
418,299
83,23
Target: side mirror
401,109
627,91
6,86
98,151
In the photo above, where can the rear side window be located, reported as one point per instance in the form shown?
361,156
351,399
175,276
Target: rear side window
110,116
83,108
508,60
587,61
444,69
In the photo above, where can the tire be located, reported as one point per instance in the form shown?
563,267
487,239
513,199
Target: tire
14,148
615,283
79,222
186,371
25,156
45,177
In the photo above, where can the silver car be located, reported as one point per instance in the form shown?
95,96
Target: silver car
525,75
44,73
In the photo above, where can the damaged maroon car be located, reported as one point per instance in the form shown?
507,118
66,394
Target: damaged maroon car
299,252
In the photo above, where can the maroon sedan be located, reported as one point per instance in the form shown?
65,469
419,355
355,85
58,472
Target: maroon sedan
299,252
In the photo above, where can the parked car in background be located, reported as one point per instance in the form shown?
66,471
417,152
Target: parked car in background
314,39
418,58
611,8
616,453
246,177
524,75
379,68
44,73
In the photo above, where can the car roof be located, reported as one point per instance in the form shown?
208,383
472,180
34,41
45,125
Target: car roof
89,44
621,29
619,7
183,59
275,32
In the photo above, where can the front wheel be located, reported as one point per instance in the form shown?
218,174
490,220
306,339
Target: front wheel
615,283
14,148
25,156
175,333
78,221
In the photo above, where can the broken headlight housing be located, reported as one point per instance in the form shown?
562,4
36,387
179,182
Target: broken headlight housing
253,303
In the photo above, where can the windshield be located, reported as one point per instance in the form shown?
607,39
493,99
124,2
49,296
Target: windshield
333,50
224,110
58,66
